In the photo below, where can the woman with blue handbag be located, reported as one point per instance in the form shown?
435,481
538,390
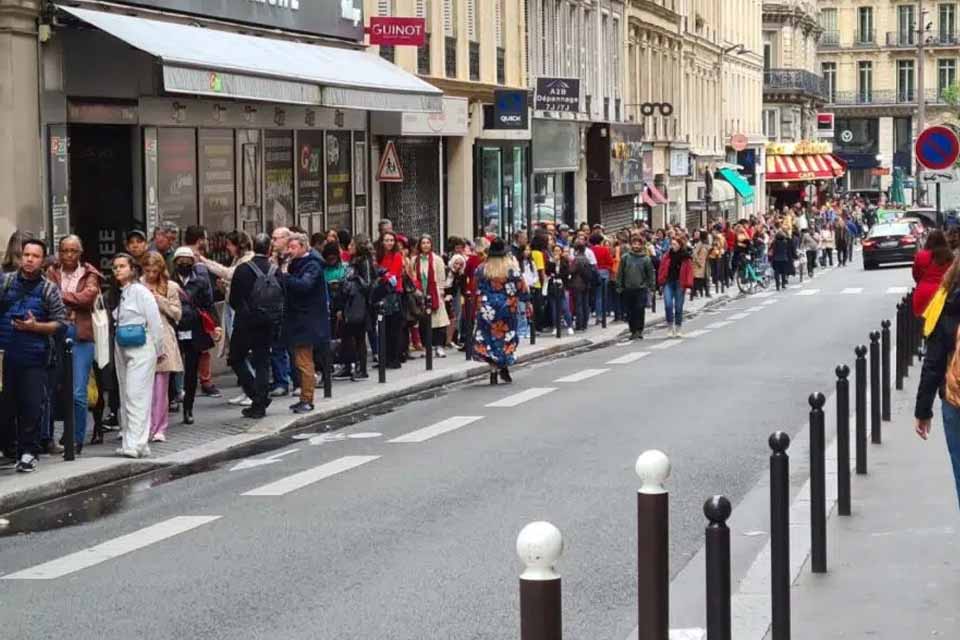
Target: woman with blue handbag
139,347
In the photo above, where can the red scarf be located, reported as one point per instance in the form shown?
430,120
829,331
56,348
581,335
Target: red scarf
432,290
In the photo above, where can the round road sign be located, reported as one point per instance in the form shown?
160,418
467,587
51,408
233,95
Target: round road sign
937,148
738,141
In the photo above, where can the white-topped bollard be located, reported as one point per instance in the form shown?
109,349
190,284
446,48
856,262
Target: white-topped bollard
653,547
539,546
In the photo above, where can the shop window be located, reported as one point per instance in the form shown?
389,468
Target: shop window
310,180
177,175
218,202
388,52
278,178
339,180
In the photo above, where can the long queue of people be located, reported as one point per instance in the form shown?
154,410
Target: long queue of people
145,335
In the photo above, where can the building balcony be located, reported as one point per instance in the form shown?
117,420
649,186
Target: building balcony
902,39
946,38
864,39
829,40
883,97
799,81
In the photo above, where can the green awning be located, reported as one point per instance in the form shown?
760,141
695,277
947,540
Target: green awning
739,184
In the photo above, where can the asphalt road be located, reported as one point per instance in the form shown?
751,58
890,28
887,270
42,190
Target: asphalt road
416,541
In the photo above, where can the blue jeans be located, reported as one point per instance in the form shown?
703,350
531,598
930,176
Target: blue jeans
564,302
523,325
83,353
601,304
951,428
280,365
673,303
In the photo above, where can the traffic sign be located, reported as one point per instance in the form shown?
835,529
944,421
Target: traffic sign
738,141
938,177
937,148
390,168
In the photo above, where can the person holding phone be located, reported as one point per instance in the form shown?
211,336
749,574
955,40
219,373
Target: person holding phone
32,312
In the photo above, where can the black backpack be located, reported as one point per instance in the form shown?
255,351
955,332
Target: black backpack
266,299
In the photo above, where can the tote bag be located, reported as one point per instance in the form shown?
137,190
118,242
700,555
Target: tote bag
101,333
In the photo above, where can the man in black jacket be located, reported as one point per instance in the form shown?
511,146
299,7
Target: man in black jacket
250,338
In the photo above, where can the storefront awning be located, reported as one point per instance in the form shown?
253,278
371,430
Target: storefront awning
210,62
798,168
739,184
652,196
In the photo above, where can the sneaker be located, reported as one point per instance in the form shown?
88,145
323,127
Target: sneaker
27,464
128,453
211,391
240,400
144,451
295,392
111,421
254,413
174,406
440,353
279,392
677,333
158,438
569,331
361,376
53,449
302,407
342,374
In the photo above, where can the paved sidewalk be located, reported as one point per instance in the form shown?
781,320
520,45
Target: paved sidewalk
894,569
220,431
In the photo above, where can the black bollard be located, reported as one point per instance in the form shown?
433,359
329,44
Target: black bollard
860,402
557,293
69,416
780,535
468,326
381,345
719,621
653,547
493,377
818,485
653,301
327,362
843,440
898,362
428,339
603,304
539,546
885,370
533,322
875,387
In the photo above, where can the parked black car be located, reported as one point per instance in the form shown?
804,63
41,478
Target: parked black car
889,242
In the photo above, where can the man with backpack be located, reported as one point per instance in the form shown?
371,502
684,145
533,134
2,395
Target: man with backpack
258,298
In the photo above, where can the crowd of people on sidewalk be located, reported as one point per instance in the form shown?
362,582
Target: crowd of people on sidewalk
288,308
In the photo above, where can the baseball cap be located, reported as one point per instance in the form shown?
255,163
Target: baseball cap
136,232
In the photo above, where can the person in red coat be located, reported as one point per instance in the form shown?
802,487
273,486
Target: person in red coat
929,266
675,276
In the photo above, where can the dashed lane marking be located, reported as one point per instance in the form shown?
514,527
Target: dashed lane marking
739,316
666,344
630,357
305,478
763,294
434,430
852,291
808,292
719,325
897,290
697,333
759,307
111,549
767,303
582,375
523,396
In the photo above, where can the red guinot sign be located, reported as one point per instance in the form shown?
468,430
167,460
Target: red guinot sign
397,32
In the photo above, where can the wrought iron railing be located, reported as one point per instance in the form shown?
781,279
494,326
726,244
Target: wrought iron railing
883,97
794,80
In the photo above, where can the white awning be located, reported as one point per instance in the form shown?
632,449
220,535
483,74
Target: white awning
219,63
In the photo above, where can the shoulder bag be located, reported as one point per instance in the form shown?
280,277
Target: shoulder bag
129,335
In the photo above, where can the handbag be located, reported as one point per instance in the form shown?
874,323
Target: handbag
130,335
101,333
931,315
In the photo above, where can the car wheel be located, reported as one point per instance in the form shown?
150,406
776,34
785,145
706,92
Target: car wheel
869,266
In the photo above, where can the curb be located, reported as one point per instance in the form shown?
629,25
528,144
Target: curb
231,447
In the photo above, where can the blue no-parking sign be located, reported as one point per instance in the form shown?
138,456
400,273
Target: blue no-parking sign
937,148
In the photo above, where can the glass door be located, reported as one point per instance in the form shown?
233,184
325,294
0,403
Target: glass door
492,203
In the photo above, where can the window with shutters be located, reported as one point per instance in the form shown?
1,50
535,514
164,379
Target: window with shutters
450,18
450,38
472,29
385,9
617,43
473,35
498,13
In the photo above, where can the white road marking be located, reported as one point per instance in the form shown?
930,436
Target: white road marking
852,290
897,290
738,316
111,549
523,396
767,303
434,430
808,292
252,463
666,344
763,294
759,307
719,325
697,333
630,357
300,480
582,375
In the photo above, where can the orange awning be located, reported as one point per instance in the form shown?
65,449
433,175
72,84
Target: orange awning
821,166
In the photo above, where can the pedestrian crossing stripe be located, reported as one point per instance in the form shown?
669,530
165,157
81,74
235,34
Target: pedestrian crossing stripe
808,292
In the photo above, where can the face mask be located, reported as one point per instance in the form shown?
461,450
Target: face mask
184,270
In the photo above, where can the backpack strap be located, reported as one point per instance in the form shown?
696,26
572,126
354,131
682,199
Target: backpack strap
257,271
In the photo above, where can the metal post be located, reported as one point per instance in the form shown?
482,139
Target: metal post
843,440
885,370
468,310
381,345
818,485
899,348
533,320
603,304
539,546
557,294
780,535
69,415
428,339
860,393
875,387
912,340
653,547
327,371
939,207
719,625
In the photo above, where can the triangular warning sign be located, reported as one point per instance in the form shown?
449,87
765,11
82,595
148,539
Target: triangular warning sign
390,169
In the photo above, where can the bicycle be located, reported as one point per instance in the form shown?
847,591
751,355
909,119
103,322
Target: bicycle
748,277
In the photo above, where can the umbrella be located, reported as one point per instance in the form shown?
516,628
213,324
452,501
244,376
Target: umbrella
896,189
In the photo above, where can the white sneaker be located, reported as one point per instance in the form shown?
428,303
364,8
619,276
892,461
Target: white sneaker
569,331
440,352
677,333
246,402
128,453
295,392
239,400
672,332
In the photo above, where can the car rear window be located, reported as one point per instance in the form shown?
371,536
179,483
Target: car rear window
898,229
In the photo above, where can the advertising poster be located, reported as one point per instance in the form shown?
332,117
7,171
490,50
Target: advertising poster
278,178
339,180
217,190
177,176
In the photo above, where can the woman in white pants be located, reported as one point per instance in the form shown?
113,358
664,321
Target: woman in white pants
139,346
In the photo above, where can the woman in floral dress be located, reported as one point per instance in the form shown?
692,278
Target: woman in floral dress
501,287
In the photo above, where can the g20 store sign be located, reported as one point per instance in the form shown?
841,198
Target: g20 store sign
333,18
